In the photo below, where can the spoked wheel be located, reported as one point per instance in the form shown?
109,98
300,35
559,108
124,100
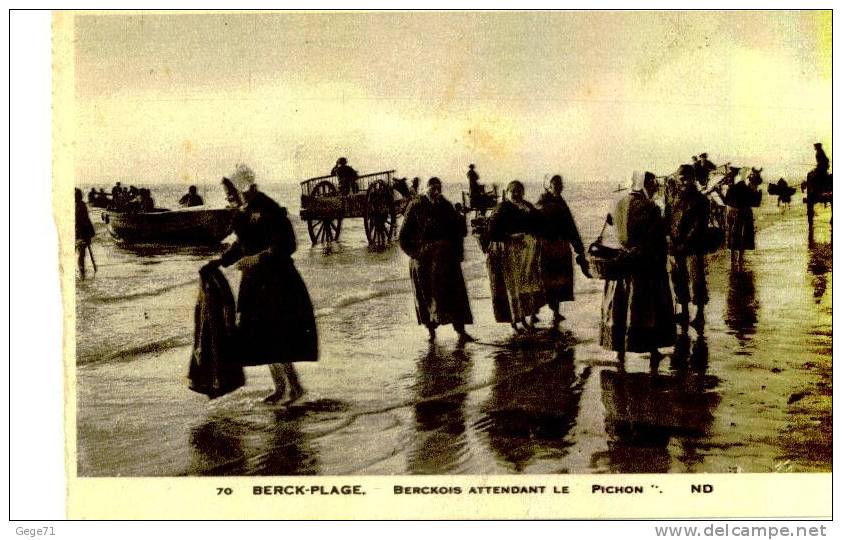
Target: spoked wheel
380,217
326,229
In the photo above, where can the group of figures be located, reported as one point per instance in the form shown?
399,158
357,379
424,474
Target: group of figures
530,253
530,262
133,199
122,199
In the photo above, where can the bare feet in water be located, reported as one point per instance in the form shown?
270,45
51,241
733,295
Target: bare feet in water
699,322
274,397
293,397
465,337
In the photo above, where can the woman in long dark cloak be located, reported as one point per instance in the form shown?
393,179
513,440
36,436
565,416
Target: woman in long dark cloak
276,322
84,233
739,221
637,311
559,234
514,262
432,235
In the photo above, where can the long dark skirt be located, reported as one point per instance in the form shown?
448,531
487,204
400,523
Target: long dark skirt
637,313
739,224
557,266
439,287
277,324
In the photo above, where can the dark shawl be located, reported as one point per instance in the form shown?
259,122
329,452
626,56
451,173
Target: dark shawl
214,370
277,323
637,312
508,219
688,222
557,221
84,227
432,235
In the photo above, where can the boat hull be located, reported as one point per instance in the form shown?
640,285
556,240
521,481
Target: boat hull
179,227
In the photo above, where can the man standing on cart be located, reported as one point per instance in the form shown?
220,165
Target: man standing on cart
347,176
479,199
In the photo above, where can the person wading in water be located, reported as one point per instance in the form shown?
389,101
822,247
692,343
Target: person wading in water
276,325
432,235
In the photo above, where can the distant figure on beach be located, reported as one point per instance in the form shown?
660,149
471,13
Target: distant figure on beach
140,201
145,200
514,261
703,168
401,186
739,221
232,195
433,235
474,186
783,191
414,191
479,199
822,162
346,175
558,235
92,196
118,197
637,311
276,322
687,220
191,198
819,184
84,232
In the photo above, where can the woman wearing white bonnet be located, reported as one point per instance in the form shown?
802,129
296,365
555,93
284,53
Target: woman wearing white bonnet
276,325
637,311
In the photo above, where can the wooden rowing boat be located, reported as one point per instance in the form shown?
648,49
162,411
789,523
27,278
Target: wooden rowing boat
185,226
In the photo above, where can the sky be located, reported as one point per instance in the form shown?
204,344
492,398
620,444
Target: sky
593,96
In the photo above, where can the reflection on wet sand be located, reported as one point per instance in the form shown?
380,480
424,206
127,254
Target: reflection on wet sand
440,442
532,407
741,304
278,448
216,447
820,264
168,251
645,411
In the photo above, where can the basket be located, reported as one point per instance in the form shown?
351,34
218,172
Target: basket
609,264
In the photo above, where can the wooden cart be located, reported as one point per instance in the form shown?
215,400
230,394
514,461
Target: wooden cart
371,196
477,207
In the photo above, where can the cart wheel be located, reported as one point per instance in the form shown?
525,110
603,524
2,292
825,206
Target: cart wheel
325,229
380,216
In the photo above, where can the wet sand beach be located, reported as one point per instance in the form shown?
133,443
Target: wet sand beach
752,393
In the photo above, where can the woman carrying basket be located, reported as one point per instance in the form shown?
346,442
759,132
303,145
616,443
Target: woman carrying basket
637,308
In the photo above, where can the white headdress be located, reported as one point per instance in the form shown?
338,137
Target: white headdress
242,177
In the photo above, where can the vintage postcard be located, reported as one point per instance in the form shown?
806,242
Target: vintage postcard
446,265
